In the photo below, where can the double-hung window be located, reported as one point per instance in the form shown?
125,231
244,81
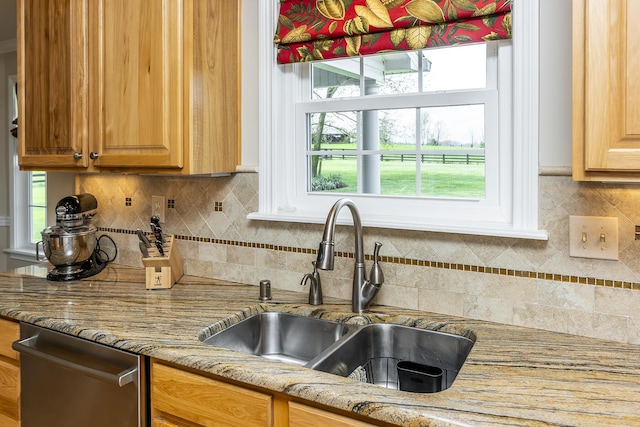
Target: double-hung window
438,139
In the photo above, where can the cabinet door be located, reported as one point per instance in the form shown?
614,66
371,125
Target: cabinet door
9,375
204,401
52,84
213,78
307,416
9,332
136,91
606,89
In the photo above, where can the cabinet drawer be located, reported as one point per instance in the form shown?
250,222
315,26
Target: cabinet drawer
205,401
306,416
9,332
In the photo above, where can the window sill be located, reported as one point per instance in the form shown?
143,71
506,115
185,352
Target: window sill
408,223
23,254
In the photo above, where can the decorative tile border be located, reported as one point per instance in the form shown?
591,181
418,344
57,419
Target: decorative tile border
411,261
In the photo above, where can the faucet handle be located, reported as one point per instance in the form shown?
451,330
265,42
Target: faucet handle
376,277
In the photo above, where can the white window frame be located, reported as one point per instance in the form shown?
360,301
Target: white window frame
20,246
281,179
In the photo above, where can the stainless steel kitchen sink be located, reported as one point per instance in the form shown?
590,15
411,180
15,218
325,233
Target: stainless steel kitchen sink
280,336
387,355
396,356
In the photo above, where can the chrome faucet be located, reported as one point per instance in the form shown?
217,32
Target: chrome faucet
363,290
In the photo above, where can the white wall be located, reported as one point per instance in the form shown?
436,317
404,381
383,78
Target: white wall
249,84
555,83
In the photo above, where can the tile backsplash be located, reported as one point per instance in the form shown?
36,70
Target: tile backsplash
505,280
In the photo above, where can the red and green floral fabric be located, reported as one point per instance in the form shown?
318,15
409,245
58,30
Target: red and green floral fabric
310,30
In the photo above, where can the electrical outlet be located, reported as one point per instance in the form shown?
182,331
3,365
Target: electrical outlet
593,237
157,207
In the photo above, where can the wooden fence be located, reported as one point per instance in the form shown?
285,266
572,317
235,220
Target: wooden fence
443,158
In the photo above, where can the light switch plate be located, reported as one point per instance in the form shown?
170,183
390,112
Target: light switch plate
593,237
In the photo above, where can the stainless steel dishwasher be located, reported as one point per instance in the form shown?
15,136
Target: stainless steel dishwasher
72,382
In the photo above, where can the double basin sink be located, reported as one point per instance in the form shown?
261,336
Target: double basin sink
389,355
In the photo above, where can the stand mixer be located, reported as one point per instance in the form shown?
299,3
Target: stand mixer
71,245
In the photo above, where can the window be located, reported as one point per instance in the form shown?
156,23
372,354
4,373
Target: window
422,133
29,195
376,129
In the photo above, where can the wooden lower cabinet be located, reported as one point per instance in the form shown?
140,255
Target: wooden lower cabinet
185,399
180,398
9,375
306,416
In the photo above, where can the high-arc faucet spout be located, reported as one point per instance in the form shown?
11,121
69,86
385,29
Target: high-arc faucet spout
363,290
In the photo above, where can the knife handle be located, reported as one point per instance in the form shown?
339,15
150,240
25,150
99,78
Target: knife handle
159,246
143,238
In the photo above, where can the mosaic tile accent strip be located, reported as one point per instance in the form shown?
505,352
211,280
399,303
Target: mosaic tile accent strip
411,261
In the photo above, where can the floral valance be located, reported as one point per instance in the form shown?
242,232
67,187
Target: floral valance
311,30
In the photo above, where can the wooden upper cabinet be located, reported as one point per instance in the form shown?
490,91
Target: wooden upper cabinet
52,71
162,86
606,90
136,94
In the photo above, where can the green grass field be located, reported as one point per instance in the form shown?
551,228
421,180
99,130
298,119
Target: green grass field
399,178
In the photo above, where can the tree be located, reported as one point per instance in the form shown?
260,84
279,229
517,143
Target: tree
318,136
437,133
425,122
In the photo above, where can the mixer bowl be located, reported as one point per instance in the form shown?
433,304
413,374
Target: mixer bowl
64,247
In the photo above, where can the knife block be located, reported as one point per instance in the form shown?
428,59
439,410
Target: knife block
162,272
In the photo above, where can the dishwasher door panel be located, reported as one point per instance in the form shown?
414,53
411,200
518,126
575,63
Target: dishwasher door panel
68,381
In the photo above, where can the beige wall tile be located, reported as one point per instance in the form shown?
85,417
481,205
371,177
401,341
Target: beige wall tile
541,317
620,302
398,296
566,295
439,301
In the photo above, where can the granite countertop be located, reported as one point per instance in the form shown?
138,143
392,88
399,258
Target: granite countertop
513,377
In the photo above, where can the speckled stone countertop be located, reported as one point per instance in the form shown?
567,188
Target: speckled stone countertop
513,377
